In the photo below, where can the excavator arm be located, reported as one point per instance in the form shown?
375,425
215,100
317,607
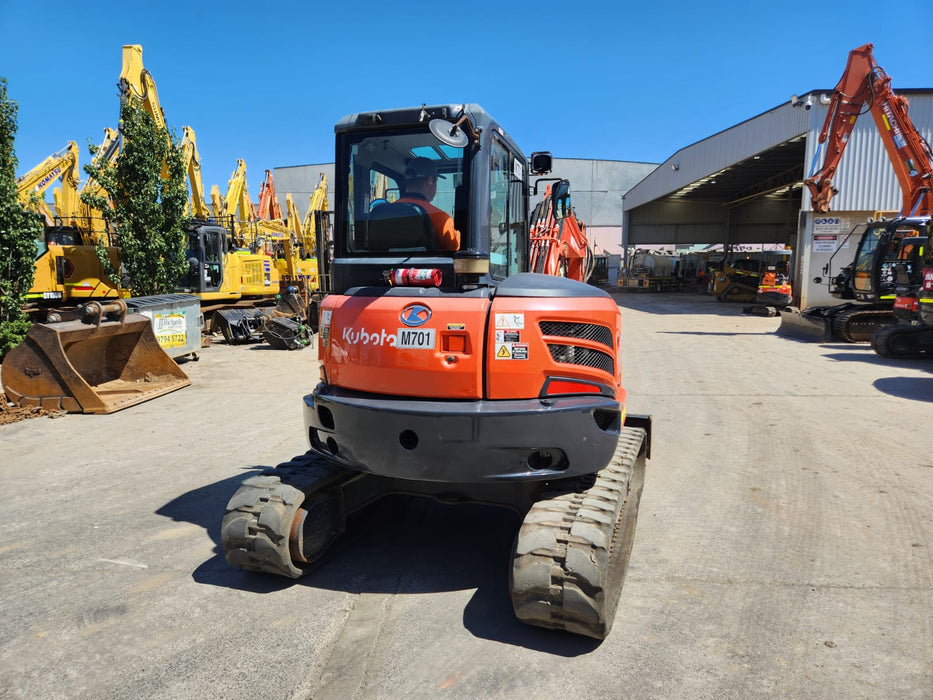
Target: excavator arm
558,241
865,86
136,82
92,219
192,160
62,165
269,207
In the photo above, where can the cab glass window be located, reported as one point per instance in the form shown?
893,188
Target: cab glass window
508,251
861,270
379,173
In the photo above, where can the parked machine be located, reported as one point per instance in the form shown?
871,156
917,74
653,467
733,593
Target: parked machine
865,87
67,267
907,275
448,370
646,270
558,239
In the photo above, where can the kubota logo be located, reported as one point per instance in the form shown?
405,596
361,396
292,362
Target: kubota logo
415,315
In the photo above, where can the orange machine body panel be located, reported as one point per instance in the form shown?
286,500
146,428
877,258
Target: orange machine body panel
438,347
435,352
536,339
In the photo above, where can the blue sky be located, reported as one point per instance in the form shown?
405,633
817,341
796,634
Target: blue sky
266,82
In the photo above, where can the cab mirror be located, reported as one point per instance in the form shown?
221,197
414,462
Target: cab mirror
541,163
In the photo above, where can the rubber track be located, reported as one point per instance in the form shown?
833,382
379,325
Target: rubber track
901,342
856,325
572,550
258,518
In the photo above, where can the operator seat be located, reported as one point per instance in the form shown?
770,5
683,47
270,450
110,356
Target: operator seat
400,226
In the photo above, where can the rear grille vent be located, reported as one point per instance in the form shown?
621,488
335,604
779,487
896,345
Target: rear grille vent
582,331
586,357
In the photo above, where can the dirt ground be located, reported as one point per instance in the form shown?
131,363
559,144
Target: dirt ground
11,413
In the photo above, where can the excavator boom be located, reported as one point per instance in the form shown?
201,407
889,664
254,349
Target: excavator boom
865,86
557,238
62,165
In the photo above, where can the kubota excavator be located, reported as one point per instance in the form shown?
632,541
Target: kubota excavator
865,86
457,374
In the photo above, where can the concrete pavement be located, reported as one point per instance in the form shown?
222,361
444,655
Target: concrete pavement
783,546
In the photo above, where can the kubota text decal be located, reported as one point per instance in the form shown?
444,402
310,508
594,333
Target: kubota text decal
403,338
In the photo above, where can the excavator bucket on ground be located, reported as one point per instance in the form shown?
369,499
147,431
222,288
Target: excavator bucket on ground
101,362
813,326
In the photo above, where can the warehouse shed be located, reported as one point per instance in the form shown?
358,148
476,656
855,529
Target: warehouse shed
744,185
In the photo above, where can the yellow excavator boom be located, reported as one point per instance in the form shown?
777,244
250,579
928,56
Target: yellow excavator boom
136,82
58,166
192,159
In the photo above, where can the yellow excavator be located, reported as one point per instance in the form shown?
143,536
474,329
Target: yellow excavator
67,266
100,357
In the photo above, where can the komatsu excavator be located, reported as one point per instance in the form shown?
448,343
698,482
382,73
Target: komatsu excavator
448,370
67,267
865,87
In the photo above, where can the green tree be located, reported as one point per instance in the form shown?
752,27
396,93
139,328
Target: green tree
146,206
19,231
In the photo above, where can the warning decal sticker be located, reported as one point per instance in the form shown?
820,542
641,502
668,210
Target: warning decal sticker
511,351
510,321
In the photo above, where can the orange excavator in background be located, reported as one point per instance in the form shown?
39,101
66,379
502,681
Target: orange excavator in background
865,87
269,207
558,239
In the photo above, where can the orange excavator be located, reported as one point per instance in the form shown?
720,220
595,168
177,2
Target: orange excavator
269,207
457,374
558,239
865,87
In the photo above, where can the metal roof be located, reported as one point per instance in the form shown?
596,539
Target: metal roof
761,156
765,155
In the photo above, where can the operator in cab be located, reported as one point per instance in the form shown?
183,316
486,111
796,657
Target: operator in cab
420,188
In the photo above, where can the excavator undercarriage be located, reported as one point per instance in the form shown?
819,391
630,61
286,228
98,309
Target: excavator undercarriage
569,558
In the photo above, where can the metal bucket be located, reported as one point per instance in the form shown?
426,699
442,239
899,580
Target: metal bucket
102,362
814,327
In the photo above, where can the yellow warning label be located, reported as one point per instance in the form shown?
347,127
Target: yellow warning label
504,352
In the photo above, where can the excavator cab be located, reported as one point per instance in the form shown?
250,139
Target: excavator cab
207,246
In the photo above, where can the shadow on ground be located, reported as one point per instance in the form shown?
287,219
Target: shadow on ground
400,544
907,388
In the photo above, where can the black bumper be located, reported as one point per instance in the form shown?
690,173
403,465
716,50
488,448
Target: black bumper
463,441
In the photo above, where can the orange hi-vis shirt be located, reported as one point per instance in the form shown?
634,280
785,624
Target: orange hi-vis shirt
448,238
